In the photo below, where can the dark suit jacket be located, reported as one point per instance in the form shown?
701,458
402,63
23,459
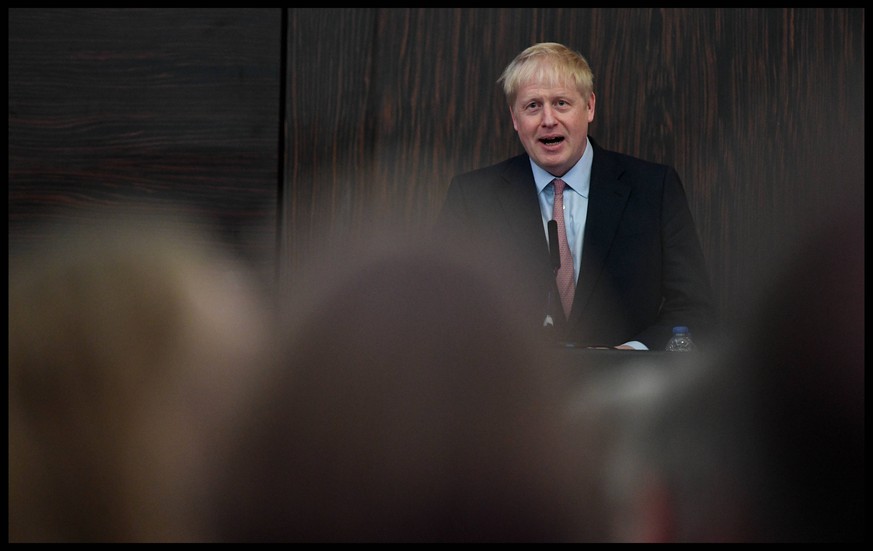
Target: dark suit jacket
642,269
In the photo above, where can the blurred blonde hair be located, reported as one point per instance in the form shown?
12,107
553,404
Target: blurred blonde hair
129,343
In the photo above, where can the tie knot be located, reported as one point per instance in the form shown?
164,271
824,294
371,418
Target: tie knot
559,186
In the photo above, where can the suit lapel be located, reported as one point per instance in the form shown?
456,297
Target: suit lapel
607,198
518,199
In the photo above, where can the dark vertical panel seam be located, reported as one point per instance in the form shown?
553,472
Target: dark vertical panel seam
281,154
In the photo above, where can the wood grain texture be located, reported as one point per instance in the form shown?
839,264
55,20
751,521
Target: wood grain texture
760,110
174,110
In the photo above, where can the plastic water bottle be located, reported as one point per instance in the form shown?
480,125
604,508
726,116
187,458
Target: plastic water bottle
681,340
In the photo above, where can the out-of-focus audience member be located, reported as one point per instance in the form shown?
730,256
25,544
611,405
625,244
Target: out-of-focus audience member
763,440
131,341
414,407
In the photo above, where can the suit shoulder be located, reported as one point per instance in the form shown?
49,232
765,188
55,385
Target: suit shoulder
495,170
621,166
631,162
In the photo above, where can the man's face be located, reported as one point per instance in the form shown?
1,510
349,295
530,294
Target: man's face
552,124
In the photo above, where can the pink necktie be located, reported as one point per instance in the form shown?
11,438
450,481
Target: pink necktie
564,277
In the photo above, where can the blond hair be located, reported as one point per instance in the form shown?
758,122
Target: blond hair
547,62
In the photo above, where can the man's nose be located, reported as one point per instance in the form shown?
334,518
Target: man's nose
548,116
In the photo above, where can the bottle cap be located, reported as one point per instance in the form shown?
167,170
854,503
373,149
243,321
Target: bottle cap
680,329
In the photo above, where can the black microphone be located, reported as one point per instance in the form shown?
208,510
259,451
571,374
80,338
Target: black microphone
553,244
549,321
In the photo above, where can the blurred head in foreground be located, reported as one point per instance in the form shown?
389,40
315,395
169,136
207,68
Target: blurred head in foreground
130,343
762,441
411,408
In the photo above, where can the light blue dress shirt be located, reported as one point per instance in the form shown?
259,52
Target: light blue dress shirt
578,180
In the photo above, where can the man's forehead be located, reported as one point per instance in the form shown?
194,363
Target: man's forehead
547,89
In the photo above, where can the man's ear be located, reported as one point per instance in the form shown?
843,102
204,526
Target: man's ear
590,106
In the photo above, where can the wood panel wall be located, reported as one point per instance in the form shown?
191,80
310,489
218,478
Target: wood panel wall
171,110
760,110
290,125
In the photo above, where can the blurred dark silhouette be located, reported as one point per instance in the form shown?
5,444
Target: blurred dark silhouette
761,440
413,407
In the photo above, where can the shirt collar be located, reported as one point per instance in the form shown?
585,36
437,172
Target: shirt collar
577,178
